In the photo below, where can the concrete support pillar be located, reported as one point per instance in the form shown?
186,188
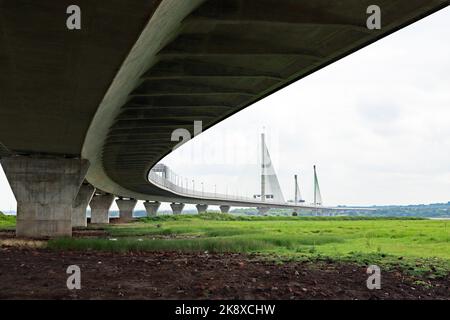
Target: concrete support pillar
177,208
100,205
224,209
201,208
152,207
263,210
45,189
80,204
126,207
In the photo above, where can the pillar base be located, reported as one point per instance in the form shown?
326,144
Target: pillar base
100,205
79,218
177,208
45,190
126,207
224,209
152,208
201,208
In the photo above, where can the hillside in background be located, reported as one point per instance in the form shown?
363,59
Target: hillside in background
435,210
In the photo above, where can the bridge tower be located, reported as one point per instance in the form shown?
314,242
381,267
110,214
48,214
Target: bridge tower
317,195
263,169
270,186
296,190
297,195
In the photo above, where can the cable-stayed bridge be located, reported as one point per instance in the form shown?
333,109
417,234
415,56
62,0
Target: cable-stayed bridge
271,196
86,113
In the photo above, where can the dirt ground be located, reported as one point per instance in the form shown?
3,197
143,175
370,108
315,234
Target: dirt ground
36,273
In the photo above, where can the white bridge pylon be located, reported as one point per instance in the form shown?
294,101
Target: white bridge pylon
270,186
271,195
317,195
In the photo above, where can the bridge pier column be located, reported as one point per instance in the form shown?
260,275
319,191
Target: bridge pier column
80,204
224,209
201,208
126,207
100,205
45,189
152,207
263,210
177,208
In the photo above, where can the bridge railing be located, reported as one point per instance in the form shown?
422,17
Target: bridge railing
161,175
168,179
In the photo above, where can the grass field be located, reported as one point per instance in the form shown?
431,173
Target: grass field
416,245
7,222
419,246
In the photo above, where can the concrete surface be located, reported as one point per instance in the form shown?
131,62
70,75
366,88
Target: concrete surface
45,190
177,208
152,207
84,196
126,207
100,205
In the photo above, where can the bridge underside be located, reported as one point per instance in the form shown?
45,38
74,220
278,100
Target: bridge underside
223,55
52,79
113,92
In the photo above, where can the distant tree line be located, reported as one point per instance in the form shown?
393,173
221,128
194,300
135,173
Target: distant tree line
435,210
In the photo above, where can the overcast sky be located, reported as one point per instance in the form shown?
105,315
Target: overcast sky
376,124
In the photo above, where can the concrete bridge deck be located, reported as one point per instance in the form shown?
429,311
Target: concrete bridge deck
99,104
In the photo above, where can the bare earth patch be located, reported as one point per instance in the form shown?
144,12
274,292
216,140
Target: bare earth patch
31,273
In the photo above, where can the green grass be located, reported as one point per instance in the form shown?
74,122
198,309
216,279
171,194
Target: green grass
417,245
7,222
